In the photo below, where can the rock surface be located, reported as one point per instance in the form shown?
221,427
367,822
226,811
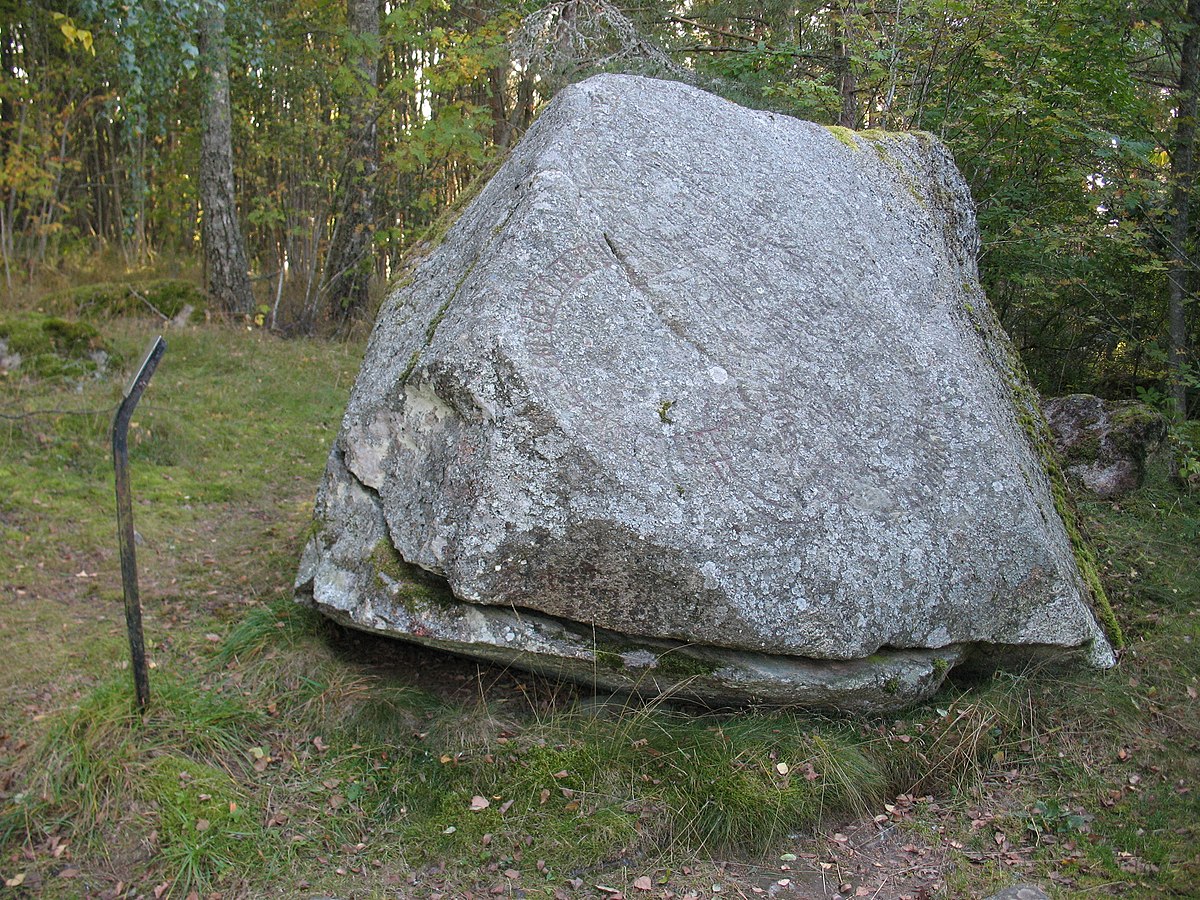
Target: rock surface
1020,892
703,400
1104,443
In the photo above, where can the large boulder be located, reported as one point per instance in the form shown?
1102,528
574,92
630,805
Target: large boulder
704,400
1104,443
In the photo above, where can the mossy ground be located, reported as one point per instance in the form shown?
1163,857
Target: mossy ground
52,347
285,756
164,297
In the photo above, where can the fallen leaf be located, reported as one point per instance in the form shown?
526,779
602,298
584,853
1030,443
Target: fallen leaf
642,883
478,802
15,881
505,806
202,824
544,796
782,768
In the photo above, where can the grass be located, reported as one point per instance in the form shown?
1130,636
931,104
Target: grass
285,756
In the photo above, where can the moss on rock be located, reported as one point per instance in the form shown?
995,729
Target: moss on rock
1029,415
50,347
412,586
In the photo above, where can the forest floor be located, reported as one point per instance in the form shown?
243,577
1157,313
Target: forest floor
284,756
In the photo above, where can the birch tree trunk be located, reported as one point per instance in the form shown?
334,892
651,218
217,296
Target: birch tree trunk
224,249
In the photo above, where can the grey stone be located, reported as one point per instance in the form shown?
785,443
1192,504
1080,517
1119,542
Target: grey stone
702,400
1020,892
1104,443
9,362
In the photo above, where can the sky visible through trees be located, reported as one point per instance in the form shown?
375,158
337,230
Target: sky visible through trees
353,127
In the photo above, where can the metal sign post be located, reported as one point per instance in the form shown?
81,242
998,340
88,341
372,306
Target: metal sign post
120,428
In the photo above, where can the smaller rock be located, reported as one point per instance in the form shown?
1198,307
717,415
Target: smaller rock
8,361
1020,892
1104,443
183,317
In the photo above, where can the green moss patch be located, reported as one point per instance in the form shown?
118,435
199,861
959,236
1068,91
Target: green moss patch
156,297
415,588
49,347
845,135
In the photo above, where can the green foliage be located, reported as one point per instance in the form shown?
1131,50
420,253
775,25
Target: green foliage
1050,817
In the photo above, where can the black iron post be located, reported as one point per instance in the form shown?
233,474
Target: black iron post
133,605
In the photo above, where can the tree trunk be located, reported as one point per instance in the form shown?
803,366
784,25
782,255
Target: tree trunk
1183,170
224,250
497,95
349,264
843,65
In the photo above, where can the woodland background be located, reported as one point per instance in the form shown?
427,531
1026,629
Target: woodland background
301,150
